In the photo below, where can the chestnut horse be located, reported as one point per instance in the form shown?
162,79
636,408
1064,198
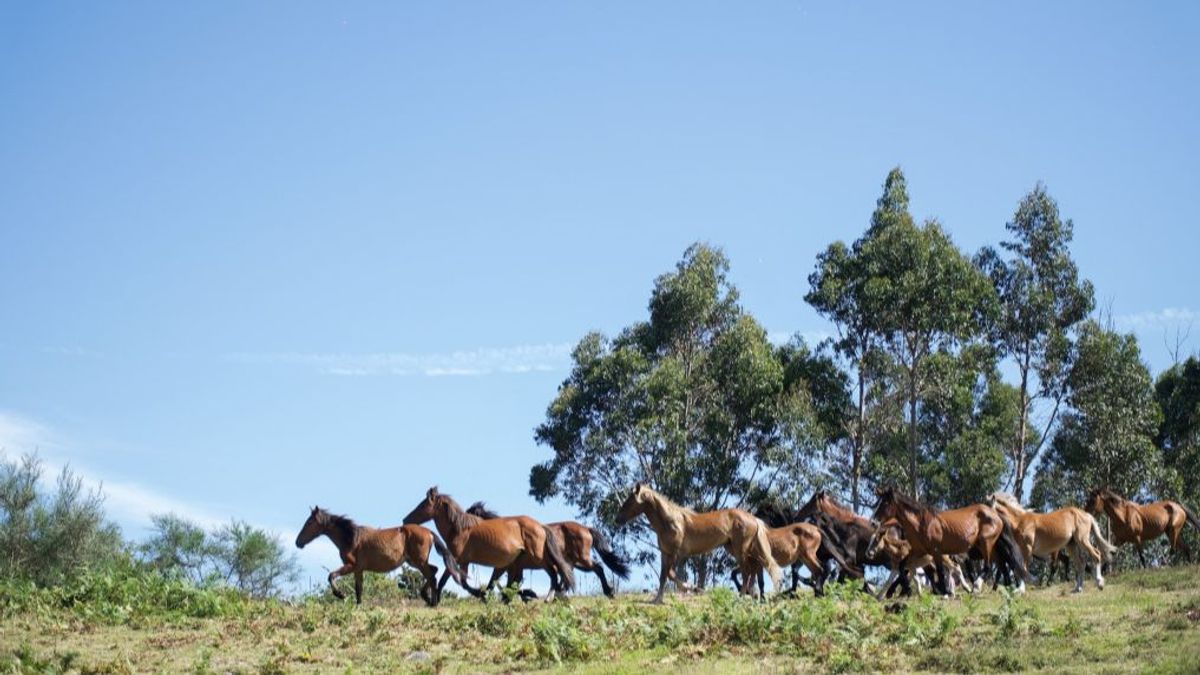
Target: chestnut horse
1138,524
367,549
505,544
1045,534
577,541
683,532
888,541
971,529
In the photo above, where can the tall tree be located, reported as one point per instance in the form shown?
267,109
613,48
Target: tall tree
1041,299
695,400
1106,437
922,295
1177,391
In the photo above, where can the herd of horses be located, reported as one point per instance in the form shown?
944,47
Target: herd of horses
913,541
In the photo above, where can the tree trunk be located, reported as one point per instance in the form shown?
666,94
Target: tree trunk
1022,429
857,443
912,431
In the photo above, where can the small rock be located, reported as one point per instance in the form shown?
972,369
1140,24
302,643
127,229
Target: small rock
418,656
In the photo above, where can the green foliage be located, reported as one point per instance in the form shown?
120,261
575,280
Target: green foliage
696,400
122,591
1106,437
1042,299
50,538
1177,392
247,558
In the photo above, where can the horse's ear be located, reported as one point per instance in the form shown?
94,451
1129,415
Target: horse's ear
432,493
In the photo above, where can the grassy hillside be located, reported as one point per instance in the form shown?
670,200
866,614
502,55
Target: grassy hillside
1144,621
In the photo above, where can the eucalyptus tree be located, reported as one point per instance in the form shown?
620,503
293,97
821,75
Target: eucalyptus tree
1106,437
1177,392
695,400
1041,299
920,294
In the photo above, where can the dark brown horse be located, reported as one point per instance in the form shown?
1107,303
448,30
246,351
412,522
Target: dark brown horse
367,549
972,529
850,533
577,541
508,544
1139,524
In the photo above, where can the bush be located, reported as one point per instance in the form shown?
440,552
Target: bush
51,538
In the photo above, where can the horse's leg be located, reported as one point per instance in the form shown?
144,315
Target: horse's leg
496,572
598,569
667,571
893,575
358,587
1142,556
341,571
795,580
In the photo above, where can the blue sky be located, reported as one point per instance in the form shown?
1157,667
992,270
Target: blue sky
260,256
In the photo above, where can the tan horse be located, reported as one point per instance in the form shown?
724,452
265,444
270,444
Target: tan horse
1045,534
683,532
367,549
971,529
794,544
888,542
506,544
577,541
1138,524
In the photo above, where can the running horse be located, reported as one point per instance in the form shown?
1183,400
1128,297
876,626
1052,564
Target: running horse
368,549
683,533
509,544
888,541
1138,524
850,532
1046,534
977,529
795,544
577,542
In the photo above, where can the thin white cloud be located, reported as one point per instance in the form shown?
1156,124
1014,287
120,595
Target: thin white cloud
473,362
1168,316
131,504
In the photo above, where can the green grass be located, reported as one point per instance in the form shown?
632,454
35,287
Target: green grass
1144,621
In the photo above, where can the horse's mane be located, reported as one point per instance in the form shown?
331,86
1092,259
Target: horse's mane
912,504
343,525
480,509
667,503
459,518
1007,499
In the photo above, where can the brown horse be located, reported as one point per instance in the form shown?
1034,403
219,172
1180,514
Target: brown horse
971,529
367,549
888,542
850,531
577,541
1138,524
683,532
794,544
1045,534
505,544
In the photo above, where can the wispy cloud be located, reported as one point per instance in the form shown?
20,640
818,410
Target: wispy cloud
473,362
129,503
1168,316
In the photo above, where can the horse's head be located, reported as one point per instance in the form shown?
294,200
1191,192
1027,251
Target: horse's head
635,503
313,527
1098,498
814,505
884,536
425,509
889,505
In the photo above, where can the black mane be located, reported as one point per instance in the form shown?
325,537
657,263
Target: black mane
344,526
480,509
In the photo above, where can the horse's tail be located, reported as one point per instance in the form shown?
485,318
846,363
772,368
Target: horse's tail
1010,552
603,546
760,548
1191,515
829,548
554,552
1106,549
447,557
